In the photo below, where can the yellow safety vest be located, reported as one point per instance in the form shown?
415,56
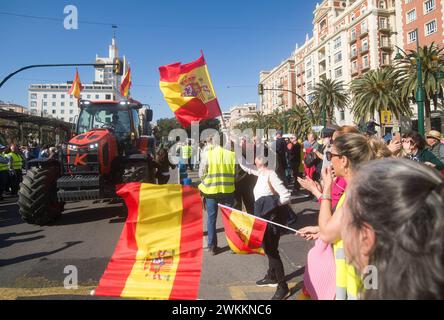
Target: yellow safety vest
348,283
187,151
17,161
221,172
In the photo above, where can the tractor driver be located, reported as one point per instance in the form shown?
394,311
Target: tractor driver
119,128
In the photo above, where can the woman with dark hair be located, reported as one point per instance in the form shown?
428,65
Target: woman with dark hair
415,147
393,220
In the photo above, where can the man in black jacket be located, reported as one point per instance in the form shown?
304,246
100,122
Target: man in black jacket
294,158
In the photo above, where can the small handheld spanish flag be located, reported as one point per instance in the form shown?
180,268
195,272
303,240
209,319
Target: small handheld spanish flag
126,83
188,90
76,86
244,232
159,253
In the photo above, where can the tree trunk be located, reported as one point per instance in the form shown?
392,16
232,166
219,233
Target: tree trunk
428,121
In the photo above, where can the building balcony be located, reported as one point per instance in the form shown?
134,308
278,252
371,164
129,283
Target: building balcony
355,71
321,57
386,46
354,55
363,33
365,67
385,27
353,38
364,49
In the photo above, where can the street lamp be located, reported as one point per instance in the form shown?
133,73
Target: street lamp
419,85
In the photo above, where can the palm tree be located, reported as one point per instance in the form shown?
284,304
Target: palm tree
375,91
432,59
299,121
328,95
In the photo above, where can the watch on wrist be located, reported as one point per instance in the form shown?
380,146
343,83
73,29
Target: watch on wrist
325,197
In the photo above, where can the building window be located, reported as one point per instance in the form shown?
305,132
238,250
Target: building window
411,16
45,96
107,97
338,72
62,104
97,96
71,111
53,112
34,104
71,104
364,27
337,43
412,36
62,96
429,6
365,61
430,28
33,95
70,119
382,4
45,104
385,59
62,111
383,23
354,51
88,96
54,96
53,104
342,115
338,57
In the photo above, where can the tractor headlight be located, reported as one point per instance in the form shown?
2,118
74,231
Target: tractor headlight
93,146
72,147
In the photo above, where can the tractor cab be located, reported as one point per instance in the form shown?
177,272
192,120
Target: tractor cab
120,118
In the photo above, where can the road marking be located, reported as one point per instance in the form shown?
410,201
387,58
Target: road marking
14,293
240,292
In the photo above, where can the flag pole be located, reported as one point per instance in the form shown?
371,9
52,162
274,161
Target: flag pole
220,110
265,220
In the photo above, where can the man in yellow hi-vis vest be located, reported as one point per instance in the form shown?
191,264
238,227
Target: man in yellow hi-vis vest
217,171
4,171
187,152
15,166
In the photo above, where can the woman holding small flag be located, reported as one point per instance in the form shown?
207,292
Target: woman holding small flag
270,196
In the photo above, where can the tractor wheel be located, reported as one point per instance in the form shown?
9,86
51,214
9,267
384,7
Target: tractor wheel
137,172
37,201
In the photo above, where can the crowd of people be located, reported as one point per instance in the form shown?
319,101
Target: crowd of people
14,160
381,204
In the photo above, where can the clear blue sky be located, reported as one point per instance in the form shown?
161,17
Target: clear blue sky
239,39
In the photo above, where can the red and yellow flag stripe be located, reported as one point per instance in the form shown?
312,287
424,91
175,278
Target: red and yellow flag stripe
189,92
159,253
126,83
244,232
76,86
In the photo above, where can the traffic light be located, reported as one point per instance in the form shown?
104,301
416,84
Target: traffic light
260,88
118,66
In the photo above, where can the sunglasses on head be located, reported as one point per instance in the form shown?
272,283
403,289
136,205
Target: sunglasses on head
330,155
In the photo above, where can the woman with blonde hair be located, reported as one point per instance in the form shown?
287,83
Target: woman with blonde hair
348,151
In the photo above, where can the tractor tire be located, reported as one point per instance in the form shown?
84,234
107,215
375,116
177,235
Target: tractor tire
37,200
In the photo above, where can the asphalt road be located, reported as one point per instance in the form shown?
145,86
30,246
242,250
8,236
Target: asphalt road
33,258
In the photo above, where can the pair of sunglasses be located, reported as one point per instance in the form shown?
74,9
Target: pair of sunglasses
330,155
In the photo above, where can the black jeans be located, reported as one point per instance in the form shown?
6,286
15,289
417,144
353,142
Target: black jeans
270,245
244,193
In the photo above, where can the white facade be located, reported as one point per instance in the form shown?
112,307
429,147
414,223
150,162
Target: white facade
242,113
53,100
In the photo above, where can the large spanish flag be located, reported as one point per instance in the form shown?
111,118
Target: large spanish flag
76,86
159,253
244,232
188,90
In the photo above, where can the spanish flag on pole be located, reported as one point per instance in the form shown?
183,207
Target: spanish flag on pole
188,90
126,83
76,86
159,253
244,231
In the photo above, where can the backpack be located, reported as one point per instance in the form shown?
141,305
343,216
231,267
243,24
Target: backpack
310,159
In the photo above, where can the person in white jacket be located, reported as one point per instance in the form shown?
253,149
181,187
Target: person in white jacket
269,195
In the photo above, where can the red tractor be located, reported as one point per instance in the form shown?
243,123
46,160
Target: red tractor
108,149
